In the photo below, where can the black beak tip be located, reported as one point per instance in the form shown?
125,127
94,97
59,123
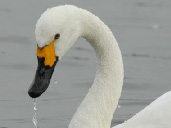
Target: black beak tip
34,94
42,78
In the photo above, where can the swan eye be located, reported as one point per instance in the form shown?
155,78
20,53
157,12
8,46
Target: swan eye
57,36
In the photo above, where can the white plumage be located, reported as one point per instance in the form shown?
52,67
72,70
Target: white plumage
96,110
156,115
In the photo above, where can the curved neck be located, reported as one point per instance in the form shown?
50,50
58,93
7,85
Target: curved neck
96,110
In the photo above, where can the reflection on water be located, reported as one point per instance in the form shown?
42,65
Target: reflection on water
142,29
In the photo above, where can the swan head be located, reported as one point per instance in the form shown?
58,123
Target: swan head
62,20
56,31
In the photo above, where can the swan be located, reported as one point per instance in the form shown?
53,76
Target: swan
56,31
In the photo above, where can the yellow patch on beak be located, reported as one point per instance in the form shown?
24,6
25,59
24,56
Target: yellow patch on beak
47,52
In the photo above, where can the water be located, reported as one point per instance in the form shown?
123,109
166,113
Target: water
34,119
142,28
55,82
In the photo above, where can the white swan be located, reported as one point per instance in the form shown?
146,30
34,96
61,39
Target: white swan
56,31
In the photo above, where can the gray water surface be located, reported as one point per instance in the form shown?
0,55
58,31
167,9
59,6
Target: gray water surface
142,28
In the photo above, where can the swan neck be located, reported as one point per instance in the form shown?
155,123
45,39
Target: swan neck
96,110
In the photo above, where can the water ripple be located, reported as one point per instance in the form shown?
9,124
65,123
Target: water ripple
147,56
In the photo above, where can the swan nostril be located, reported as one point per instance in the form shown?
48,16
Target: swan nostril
42,71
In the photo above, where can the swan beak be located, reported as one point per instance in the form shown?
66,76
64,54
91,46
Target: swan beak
46,63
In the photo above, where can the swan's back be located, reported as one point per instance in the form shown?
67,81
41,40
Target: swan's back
156,115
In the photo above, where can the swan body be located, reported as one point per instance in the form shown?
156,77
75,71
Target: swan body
156,115
96,110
